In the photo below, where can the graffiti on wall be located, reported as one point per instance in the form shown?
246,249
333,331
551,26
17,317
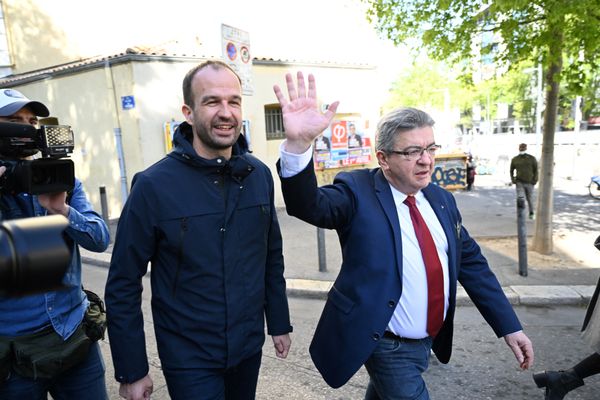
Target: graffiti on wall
450,173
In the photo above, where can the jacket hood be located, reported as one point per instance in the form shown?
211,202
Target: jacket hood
238,166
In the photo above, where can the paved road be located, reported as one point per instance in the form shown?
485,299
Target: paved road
488,212
482,366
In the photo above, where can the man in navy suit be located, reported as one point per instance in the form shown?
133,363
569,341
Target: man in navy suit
377,310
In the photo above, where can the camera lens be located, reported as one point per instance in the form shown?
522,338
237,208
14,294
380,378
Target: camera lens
33,254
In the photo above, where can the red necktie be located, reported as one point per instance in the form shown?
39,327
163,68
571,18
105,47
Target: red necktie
433,268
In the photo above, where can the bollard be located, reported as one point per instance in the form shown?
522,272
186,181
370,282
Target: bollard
104,204
321,250
522,236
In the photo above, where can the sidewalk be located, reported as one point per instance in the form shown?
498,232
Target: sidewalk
489,216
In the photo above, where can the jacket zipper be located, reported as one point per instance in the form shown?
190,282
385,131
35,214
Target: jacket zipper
182,231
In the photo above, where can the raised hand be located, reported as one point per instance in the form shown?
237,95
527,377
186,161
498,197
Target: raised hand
302,119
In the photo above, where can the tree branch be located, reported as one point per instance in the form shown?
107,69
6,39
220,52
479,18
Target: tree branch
496,26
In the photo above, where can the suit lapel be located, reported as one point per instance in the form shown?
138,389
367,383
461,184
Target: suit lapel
384,195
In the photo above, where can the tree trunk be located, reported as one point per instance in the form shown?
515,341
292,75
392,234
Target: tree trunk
542,238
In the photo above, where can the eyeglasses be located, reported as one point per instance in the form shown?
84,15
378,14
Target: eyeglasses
414,153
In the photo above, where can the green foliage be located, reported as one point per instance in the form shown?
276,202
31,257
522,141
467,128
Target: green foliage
511,31
429,84
426,83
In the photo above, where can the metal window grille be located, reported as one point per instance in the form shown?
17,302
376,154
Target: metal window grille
274,123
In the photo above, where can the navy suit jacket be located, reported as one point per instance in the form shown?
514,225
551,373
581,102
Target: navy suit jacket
359,205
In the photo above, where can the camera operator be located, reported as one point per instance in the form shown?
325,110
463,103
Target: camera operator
42,334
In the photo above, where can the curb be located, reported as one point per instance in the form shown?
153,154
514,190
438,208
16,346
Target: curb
535,296
518,295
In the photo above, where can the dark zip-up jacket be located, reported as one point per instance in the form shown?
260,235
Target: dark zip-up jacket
210,232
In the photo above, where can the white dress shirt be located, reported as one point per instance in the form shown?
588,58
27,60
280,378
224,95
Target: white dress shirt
410,317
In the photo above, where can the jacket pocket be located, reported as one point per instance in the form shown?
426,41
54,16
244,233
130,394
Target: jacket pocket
182,232
341,301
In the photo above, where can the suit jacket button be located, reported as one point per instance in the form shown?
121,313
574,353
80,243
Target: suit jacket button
391,303
376,336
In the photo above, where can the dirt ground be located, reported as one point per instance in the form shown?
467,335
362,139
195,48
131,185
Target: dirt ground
559,259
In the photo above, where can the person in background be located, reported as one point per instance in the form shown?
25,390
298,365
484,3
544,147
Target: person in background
524,174
404,250
51,323
470,172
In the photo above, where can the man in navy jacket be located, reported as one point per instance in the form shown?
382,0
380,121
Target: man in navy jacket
204,217
376,312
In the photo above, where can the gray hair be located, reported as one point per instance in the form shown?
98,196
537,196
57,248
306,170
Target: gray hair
398,121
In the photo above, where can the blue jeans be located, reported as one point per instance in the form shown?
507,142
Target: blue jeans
235,383
395,370
84,381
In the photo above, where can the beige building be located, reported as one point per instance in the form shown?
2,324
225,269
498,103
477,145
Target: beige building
119,107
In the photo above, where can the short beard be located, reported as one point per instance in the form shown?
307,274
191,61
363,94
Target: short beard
205,138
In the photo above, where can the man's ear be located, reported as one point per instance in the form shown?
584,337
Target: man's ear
188,114
382,160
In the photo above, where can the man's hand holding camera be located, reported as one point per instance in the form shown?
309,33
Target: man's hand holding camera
55,203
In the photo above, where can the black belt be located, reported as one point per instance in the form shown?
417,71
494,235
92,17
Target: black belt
390,335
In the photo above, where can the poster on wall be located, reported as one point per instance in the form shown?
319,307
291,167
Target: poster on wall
236,53
168,132
343,143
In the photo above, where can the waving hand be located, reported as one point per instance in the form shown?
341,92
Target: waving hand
302,119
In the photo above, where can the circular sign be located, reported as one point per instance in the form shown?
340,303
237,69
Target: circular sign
231,51
245,54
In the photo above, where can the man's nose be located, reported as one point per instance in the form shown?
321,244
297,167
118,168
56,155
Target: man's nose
225,110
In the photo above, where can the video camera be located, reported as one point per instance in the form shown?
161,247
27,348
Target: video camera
49,174
34,255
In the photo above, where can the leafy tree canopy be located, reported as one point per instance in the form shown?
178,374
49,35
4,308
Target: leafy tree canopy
428,84
511,31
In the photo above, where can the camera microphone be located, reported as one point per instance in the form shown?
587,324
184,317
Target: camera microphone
49,174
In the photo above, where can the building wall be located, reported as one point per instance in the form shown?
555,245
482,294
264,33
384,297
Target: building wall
82,101
36,39
575,155
91,102
352,86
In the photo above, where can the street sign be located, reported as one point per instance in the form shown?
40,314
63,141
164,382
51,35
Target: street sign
236,53
127,102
